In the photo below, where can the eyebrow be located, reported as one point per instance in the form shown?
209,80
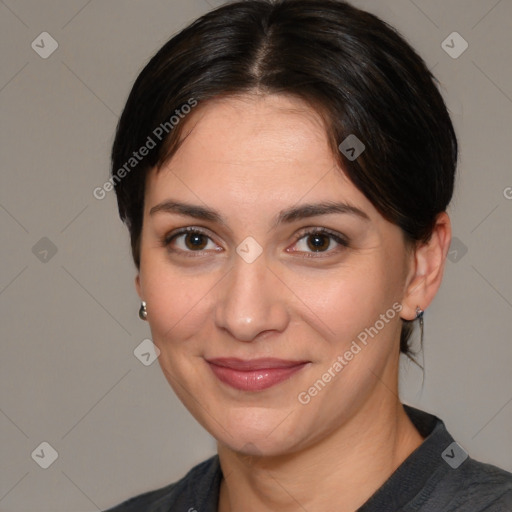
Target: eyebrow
286,216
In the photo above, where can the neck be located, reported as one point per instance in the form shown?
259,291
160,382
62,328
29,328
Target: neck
339,473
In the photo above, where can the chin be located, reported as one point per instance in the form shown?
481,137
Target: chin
259,433
259,446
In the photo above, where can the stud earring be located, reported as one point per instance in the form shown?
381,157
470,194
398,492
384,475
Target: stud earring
143,313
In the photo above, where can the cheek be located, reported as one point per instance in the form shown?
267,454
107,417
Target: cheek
177,302
341,303
336,303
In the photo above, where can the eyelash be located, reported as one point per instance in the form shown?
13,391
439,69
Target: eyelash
342,241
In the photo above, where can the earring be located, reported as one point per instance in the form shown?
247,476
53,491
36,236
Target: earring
143,313
419,316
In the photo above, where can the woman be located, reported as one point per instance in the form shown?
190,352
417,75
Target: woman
284,170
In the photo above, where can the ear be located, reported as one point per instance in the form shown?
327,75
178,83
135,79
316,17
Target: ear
427,262
138,286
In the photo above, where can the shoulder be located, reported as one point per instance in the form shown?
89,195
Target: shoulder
440,476
477,487
198,487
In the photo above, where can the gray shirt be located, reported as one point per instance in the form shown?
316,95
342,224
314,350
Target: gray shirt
438,476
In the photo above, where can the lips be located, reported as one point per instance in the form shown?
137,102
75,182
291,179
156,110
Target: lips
254,374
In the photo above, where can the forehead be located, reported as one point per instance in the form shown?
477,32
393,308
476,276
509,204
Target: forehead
235,130
253,151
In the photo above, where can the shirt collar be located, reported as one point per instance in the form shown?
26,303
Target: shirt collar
419,471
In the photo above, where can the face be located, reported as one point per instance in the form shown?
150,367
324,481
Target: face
276,323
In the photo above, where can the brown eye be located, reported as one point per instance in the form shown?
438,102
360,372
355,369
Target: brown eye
188,240
320,241
195,241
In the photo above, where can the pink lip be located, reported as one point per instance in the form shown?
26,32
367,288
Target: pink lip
254,374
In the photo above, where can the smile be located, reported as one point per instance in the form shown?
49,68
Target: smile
254,374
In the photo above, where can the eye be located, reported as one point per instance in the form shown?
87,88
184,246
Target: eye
320,240
189,240
192,240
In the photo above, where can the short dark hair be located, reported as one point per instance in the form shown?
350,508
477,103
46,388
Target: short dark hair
354,69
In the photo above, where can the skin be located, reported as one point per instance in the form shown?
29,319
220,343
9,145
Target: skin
250,157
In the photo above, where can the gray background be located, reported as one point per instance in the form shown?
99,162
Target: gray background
69,320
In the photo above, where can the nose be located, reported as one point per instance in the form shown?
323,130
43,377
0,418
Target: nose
252,301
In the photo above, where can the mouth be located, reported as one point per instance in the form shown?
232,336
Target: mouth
254,374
